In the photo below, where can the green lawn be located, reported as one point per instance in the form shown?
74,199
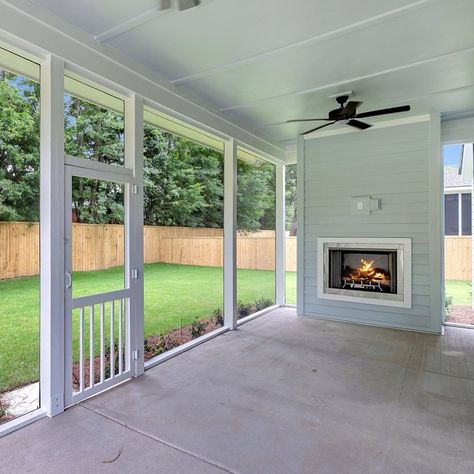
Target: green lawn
174,296
460,291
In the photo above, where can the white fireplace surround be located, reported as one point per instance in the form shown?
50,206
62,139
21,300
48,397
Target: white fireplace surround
401,299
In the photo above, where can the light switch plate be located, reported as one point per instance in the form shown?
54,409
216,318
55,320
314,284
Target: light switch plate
364,205
360,206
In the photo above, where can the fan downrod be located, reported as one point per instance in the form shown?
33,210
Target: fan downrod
342,99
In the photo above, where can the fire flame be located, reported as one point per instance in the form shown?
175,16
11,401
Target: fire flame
366,271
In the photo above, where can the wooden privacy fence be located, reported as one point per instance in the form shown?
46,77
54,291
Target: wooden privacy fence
457,257
97,247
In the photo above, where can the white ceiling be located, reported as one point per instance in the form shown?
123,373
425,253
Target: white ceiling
263,62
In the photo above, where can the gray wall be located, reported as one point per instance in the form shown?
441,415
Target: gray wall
401,165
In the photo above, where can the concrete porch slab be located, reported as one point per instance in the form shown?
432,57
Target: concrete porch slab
281,394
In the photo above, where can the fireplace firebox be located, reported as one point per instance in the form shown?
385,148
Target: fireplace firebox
363,270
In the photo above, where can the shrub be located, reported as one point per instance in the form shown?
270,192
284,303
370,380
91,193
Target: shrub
243,309
198,328
448,303
166,343
218,317
263,303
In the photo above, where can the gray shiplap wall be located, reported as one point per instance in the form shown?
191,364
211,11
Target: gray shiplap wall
400,165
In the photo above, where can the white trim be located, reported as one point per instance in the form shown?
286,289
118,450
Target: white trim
230,234
22,421
88,169
134,251
280,240
401,299
436,234
52,237
99,298
100,387
458,190
300,236
159,359
457,131
458,325
459,213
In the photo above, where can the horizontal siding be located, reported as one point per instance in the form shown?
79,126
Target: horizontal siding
391,165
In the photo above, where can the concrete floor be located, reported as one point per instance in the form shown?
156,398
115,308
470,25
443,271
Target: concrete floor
280,395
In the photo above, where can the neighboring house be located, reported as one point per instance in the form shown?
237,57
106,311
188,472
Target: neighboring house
458,195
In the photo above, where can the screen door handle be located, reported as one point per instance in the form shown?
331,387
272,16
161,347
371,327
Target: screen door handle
68,280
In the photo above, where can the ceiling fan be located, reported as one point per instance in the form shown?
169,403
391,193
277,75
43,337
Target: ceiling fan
347,112
181,5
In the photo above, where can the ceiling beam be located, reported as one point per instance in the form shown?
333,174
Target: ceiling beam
130,24
304,43
346,82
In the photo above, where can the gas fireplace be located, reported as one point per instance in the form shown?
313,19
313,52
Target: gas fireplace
363,270
371,271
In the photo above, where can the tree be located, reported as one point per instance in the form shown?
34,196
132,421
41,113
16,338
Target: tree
255,196
291,209
172,194
94,133
19,148
183,181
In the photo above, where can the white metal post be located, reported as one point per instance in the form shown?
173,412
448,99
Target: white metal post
280,240
52,237
230,234
472,226
300,270
134,230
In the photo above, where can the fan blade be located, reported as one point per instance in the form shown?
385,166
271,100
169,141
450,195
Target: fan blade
308,120
358,124
392,110
350,108
318,128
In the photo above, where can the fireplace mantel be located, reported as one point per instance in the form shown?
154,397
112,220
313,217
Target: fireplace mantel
350,293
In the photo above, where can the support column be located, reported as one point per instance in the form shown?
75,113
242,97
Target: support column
52,284
230,234
472,224
134,229
280,240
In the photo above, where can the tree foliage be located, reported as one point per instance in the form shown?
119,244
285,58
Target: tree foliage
19,149
291,208
183,181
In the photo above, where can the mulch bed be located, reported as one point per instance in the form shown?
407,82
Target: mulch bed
155,345
461,315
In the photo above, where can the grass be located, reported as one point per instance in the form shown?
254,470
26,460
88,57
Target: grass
174,296
460,290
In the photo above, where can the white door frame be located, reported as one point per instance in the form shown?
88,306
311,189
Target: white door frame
89,169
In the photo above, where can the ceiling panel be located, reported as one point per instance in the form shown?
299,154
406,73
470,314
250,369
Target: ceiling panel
382,47
446,87
182,43
266,61
97,16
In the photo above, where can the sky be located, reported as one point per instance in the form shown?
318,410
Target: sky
452,155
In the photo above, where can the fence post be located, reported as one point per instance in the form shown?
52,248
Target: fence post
230,233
